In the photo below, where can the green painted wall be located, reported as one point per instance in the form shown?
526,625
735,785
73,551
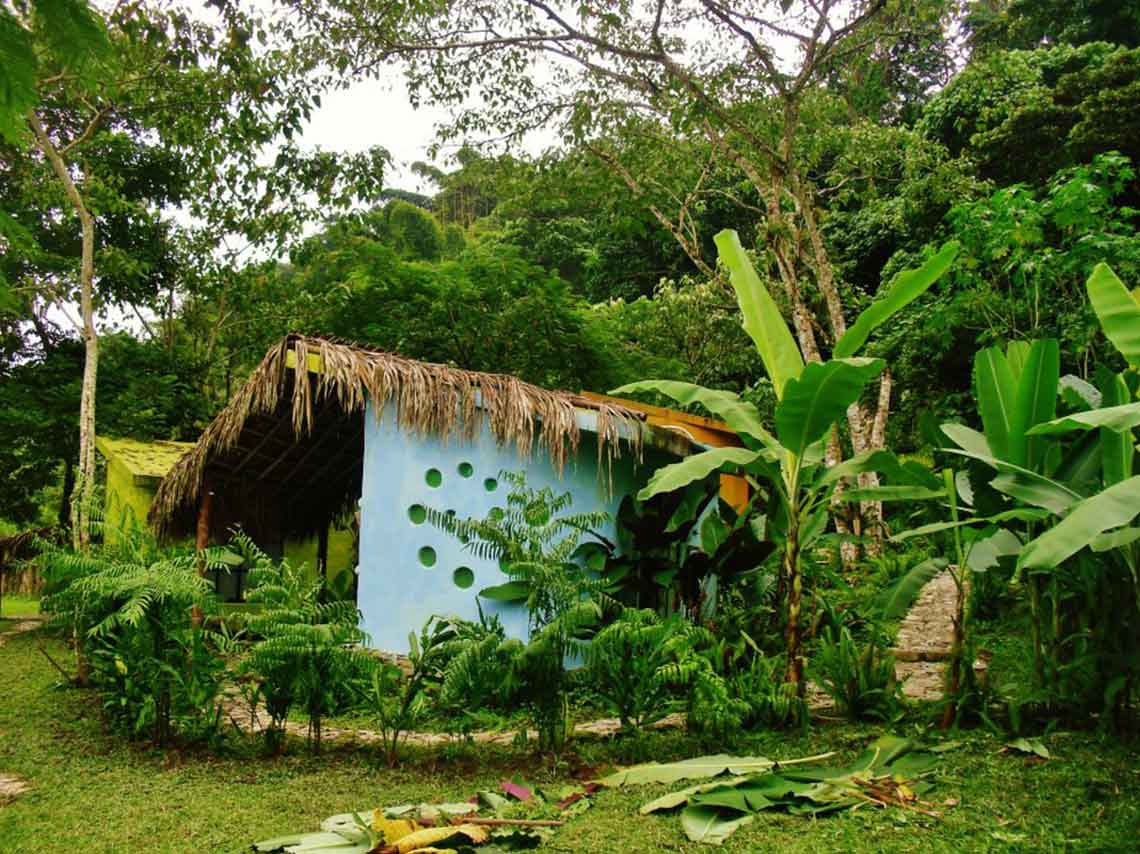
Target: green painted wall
340,552
126,500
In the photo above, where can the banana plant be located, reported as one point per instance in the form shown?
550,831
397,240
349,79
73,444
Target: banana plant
1069,478
812,397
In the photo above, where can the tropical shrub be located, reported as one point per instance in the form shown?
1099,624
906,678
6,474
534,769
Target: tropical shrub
860,678
677,551
306,651
128,608
766,699
812,398
535,542
639,663
1049,481
446,648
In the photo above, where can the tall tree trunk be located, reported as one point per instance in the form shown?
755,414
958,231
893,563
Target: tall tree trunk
872,511
85,472
64,516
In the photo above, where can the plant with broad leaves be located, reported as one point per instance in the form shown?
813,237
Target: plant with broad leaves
860,678
812,398
1049,481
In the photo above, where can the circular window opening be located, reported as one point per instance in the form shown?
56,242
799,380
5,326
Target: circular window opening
463,577
427,556
490,484
466,469
417,513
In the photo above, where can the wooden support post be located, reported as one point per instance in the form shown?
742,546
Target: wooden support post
323,550
202,540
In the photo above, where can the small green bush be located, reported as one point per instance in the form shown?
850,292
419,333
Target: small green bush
859,678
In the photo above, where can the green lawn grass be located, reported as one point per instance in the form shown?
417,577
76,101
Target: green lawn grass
14,607
93,793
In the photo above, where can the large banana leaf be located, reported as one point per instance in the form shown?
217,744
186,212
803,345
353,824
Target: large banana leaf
1116,449
882,461
1036,491
711,825
698,768
1115,539
968,439
1017,354
1035,400
896,600
697,467
762,318
906,287
1018,514
985,552
1079,393
1081,463
891,493
819,397
1025,476
996,391
1117,418
1116,506
1117,310
738,414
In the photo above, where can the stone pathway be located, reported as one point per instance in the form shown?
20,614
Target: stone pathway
26,625
236,710
926,638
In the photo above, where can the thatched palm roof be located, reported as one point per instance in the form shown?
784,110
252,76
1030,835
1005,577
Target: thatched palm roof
285,456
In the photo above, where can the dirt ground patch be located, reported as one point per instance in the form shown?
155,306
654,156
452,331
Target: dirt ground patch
11,787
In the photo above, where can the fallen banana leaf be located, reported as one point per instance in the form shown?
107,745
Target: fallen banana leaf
710,825
324,842
347,825
698,768
886,774
431,835
278,843
676,799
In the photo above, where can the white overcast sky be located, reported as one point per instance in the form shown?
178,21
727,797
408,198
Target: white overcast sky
377,112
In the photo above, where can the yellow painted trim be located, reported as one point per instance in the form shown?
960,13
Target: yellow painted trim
316,364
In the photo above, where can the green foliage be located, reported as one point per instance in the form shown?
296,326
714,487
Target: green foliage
812,398
127,608
69,32
860,678
677,550
639,662
306,650
535,543
891,770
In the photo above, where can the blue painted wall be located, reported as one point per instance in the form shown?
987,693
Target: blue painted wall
397,593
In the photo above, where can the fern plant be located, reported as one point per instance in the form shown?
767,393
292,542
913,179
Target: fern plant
398,700
127,607
306,648
534,540
768,701
640,663
859,678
